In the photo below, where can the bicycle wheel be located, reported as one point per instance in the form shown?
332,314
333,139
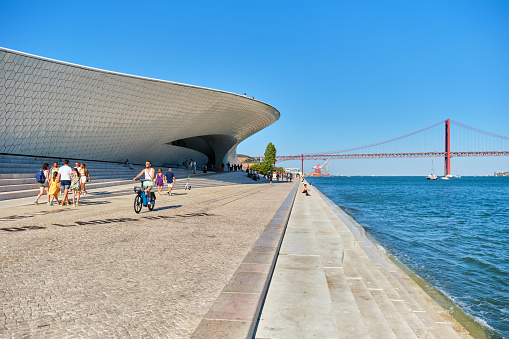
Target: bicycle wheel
137,204
152,201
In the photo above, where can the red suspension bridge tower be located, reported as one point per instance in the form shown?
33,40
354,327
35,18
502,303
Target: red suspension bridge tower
447,169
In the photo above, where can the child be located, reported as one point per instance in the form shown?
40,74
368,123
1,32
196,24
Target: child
54,188
75,186
159,181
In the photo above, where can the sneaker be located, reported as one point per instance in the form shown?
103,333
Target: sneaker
50,204
36,202
77,204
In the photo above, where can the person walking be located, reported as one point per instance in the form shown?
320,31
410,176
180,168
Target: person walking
54,188
83,177
64,177
75,186
44,185
159,181
55,168
170,179
194,167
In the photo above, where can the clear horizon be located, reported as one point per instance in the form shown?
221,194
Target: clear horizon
342,73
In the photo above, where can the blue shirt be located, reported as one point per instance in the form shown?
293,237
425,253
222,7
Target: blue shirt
169,176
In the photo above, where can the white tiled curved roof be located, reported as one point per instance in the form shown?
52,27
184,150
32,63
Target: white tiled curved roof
52,108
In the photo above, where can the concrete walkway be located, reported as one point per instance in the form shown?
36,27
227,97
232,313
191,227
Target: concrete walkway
102,271
330,281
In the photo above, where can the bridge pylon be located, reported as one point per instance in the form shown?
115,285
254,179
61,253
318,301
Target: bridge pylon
447,166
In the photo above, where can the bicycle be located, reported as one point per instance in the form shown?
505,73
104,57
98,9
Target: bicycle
141,198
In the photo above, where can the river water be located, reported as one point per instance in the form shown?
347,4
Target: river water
452,233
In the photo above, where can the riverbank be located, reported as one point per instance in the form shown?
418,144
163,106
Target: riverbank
331,281
453,310
452,234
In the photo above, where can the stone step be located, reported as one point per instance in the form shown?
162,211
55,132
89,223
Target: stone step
420,305
367,271
374,276
419,302
401,304
31,179
99,183
35,186
374,319
35,192
351,325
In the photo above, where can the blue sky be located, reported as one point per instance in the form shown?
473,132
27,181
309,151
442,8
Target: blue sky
342,73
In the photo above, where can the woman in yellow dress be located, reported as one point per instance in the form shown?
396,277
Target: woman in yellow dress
54,188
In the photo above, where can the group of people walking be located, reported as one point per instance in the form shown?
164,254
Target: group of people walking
58,180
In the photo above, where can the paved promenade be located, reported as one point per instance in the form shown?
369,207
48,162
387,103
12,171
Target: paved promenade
331,282
102,271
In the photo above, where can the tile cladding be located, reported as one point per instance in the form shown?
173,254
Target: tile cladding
51,108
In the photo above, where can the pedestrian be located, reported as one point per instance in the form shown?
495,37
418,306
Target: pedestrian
55,168
83,177
194,167
228,164
159,181
77,165
54,188
75,186
44,185
170,179
64,177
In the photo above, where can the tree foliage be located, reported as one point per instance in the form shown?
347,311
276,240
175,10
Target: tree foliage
255,167
270,158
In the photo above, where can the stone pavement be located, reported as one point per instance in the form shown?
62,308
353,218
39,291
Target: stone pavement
102,271
330,281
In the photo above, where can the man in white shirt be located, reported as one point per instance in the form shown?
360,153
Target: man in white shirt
64,177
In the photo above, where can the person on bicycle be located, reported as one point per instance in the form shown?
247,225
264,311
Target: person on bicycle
149,178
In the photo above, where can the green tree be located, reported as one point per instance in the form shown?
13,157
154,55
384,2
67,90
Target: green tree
270,158
255,167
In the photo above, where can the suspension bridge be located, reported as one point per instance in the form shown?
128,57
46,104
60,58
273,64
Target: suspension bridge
433,141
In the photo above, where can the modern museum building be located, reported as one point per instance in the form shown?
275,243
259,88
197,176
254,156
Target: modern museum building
51,108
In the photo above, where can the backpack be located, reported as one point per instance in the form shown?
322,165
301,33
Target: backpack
40,177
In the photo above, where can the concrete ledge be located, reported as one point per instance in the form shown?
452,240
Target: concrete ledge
235,312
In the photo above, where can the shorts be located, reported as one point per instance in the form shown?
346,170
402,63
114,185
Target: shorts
83,179
148,184
170,184
44,184
65,184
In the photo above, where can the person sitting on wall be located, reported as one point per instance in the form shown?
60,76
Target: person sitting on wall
305,189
